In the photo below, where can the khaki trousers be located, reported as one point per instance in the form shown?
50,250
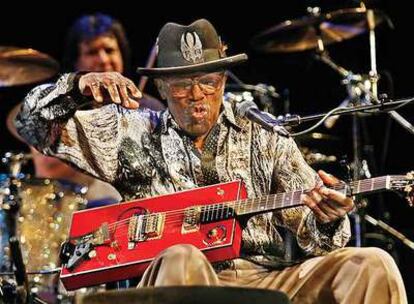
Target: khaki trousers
347,275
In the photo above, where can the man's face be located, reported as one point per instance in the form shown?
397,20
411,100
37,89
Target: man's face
101,54
194,101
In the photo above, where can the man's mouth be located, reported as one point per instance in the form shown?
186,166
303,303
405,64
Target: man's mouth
199,112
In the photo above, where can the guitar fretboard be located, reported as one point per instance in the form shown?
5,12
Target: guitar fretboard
290,199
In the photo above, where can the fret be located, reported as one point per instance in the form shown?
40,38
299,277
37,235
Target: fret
267,201
208,213
245,205
240,207
378,183
204,214
252,205
217,217
222,211
278,201
229,209
214,208
296,197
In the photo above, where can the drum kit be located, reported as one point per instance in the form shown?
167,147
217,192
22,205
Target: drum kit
36,210
41,222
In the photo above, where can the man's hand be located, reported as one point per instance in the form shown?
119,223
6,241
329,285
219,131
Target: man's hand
327,204
110,87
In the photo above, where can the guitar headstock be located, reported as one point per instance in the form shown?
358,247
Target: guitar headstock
404,184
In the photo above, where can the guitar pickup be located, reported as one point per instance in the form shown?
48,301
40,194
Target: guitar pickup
191,221
145,227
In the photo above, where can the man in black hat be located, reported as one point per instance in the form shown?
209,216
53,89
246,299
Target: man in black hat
199,140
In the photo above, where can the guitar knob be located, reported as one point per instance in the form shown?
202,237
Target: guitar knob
213,232
111,256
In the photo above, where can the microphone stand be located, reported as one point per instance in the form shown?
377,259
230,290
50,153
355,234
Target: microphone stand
292,120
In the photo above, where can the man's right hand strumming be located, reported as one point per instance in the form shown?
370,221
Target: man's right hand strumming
110,87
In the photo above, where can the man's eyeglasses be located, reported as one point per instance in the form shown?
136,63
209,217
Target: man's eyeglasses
208,83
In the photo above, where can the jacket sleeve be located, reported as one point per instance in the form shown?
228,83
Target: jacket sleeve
52,121
291,172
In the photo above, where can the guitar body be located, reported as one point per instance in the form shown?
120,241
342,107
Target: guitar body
123,251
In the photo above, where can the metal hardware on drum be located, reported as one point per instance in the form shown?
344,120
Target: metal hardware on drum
359,88
263,92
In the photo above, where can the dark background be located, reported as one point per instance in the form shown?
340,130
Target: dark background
312,86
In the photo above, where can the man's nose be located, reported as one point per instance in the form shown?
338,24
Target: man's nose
103,56
196,92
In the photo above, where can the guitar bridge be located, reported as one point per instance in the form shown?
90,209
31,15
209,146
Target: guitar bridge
145,227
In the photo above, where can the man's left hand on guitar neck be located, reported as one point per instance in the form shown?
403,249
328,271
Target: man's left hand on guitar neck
327,204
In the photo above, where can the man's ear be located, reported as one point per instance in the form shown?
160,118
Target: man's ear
161,88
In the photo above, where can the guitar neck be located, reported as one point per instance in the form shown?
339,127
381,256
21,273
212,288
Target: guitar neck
293,199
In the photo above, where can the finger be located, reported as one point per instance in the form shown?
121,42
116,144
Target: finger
338,197
327,178
124,93
96,91
315,195
113,92
320,215
125,104
331,210
133,104
134,90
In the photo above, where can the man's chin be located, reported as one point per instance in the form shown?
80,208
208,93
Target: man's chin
197,130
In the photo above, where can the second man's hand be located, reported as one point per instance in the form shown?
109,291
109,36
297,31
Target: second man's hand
110,87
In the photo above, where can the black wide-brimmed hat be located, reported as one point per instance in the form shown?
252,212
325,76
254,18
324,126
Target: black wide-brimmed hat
190,49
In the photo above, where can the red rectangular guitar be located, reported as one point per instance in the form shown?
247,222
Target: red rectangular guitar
119,241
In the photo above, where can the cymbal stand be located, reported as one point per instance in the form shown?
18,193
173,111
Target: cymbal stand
362,90
356,88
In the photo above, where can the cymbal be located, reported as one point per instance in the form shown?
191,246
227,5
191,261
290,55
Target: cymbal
302,34
21,66
187,295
